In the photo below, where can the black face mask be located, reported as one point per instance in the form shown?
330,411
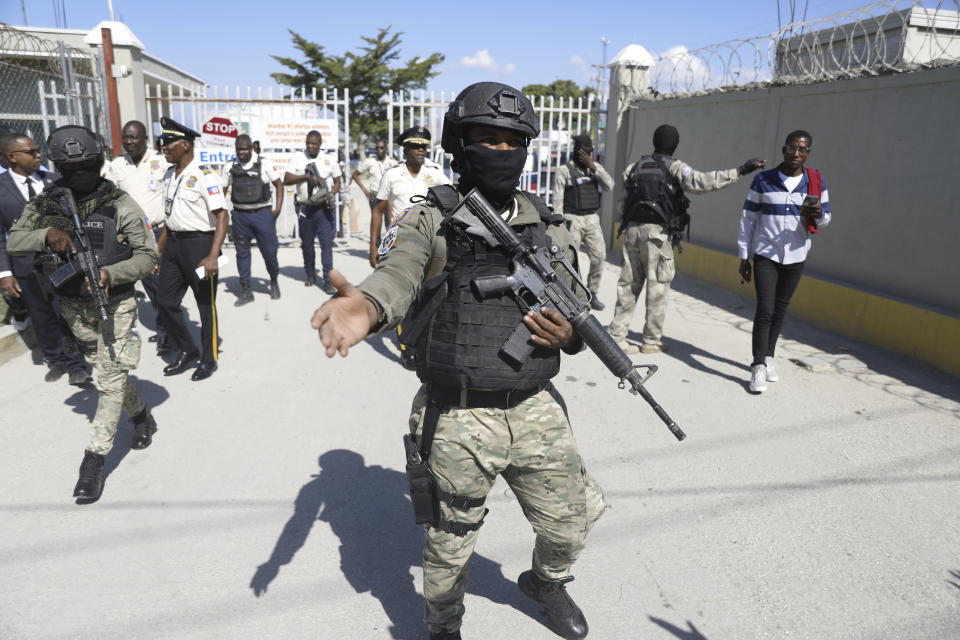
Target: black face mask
495,172
82,181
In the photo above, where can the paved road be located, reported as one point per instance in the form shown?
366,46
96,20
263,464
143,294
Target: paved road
272,504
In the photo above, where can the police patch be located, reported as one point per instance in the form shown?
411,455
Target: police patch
154,165
191,181
388,241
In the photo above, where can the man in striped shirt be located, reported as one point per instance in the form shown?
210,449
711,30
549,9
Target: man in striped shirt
779,216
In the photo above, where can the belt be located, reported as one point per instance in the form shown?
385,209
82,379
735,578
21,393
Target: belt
188,234
456,398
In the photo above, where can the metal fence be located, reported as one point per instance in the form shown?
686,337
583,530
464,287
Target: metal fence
48,84
560,119
880,37
278,118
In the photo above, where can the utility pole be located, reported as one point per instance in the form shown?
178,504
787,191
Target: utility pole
113,18
605,42
23,9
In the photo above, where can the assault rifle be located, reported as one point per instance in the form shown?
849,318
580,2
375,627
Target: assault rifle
535,284
323,194
84,261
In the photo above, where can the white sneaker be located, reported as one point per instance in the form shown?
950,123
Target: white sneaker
772,375
758,378
629,348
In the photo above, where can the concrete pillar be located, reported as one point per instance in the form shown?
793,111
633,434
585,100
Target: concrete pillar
629,81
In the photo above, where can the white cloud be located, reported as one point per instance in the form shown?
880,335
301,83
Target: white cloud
677,70
582,66
483,60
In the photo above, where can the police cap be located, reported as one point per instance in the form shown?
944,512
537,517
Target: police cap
414,135
171,131
73,144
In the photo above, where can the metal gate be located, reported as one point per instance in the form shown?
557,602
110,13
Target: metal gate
560,120
276,117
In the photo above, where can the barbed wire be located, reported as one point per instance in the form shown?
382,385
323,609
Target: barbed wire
876,38
19,48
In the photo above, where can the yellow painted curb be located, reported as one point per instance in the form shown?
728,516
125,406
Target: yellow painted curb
931,336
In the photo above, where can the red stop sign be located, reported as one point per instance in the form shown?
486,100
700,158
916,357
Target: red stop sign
220,127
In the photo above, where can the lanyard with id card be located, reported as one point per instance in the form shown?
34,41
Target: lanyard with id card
168,201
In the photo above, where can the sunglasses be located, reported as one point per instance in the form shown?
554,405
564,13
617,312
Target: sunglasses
32,152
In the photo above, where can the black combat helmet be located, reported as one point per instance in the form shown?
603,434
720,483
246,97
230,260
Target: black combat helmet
73,144
492,103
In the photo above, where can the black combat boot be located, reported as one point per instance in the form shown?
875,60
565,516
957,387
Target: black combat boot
144,426
445,635
245,297
90,484
274,289
564,614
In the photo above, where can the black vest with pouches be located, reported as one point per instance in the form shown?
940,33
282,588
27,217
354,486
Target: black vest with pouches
582,195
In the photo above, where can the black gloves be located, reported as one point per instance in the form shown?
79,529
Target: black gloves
751,165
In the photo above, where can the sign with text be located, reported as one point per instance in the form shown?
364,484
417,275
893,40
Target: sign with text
219,131
290,134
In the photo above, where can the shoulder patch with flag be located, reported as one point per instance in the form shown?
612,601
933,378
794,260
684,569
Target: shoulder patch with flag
213,191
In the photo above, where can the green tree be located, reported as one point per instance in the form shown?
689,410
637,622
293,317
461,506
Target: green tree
369,73
558,89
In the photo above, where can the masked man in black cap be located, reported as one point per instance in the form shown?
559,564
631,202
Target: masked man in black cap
125,251
576,195
485,415
190,242
400,184
654,215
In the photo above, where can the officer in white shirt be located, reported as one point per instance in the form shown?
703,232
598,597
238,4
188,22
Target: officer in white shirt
316,175
196,225
370,172
139,172
400,184
248,181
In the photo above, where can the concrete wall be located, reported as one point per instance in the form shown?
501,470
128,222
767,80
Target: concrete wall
889,149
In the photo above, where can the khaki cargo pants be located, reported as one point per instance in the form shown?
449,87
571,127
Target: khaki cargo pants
647,258
113,348
586,229
532,447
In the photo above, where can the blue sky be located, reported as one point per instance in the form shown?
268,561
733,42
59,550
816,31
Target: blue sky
229,43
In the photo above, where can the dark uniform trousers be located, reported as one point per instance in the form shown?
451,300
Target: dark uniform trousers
256,224
317,221
151,283
46,323
178,271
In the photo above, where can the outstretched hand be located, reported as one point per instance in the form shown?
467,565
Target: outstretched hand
345,319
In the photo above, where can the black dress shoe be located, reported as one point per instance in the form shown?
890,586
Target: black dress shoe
204,371
245,297
144,426
55,374
80,378
90,483
274,289
311,281
564,614
183,362
445,635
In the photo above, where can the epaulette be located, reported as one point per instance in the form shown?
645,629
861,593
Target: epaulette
205,170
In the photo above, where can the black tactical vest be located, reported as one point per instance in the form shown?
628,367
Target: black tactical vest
653,195
101,230
582,195
248,187
460,343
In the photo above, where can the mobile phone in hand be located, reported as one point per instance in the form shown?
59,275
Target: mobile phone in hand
811,201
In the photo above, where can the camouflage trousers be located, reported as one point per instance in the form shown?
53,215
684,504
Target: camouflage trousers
647,258
586,230
532,447
113,348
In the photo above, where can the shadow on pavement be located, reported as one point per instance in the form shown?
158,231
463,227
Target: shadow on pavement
694,357
683,634
379,344
368,510
888,364
956,578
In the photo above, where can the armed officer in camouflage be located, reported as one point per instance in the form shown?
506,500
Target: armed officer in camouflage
488,417
126,252
654,214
